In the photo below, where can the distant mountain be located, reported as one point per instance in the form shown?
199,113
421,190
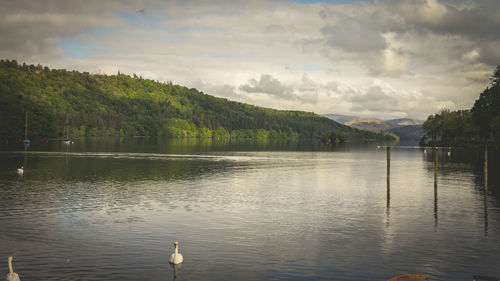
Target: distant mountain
370,124
405,122
409,135
342,119
409,130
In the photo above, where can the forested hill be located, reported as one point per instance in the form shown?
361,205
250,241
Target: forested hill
131,106
479,125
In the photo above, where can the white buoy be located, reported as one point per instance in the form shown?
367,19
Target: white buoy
12,276
176,257
20,171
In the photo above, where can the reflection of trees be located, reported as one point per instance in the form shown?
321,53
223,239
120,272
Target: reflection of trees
98,181
472,157
467,158
181,145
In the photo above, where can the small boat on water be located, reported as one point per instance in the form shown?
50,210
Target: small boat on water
66,140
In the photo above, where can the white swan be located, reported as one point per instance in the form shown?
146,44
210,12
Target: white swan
20,171
176,257
12,276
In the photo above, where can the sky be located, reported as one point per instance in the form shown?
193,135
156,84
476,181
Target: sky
380,59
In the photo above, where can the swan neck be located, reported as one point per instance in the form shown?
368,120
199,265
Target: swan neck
176,251
10,265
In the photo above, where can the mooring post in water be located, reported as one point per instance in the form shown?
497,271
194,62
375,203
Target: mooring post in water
388,206
486,166
436,157
388,169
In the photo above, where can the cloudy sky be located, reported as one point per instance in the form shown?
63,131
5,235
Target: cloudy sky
384,59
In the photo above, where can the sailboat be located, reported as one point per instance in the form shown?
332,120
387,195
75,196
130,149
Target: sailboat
66,140
26,141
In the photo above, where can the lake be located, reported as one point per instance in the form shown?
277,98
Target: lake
111,209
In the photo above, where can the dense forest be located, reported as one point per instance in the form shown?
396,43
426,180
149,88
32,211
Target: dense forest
123,105
478,125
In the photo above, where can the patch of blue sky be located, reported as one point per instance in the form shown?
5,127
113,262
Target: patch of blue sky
78,49
324,1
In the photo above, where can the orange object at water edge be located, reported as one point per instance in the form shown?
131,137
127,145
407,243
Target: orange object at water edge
408,277
422,277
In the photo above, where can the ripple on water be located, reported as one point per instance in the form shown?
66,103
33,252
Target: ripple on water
253,215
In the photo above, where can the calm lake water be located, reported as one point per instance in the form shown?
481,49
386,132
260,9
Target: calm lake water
111,210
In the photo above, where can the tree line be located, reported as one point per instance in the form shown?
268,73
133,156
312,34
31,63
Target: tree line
478,125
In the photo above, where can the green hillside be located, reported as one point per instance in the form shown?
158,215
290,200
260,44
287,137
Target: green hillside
112,105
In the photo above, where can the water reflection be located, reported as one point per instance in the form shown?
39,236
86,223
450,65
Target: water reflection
485,213
65,146
176,268
486,167
25,156
479,159
257,215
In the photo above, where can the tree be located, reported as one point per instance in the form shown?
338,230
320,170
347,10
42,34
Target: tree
495,79
333,137
486,113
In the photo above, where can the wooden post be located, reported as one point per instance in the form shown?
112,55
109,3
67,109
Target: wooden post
388,168
486,166
388,204
436,157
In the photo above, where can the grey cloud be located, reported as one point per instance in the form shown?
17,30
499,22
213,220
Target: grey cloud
385,102
218,90
475,19
457,25
270,86
353,37
225,91
490,52
357,27
267,85
374,99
